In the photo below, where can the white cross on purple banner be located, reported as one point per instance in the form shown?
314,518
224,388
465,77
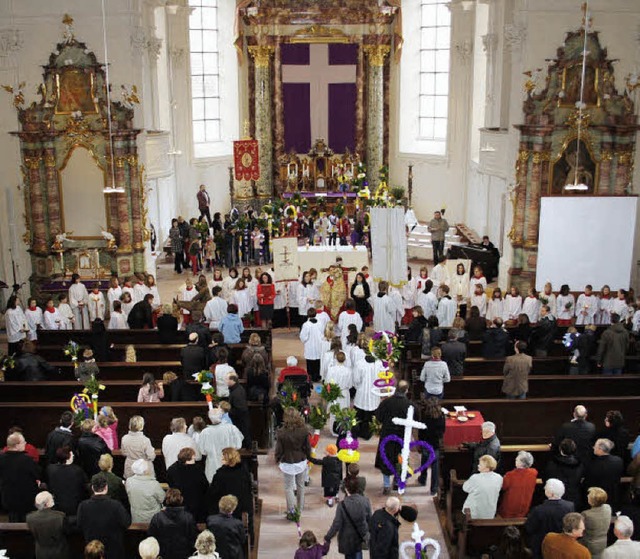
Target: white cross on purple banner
319,94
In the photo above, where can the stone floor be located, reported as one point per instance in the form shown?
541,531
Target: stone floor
278,537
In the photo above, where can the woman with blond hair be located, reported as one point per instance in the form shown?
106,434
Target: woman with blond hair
596,522
205,546
115,484
483,489
255,347
136,445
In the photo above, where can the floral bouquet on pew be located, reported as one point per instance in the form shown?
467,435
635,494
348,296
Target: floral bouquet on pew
206,378
71,350
92,388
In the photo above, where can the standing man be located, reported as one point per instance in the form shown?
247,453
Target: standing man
581,431
613,346
516,373
438,226
383,531
19,479
203,203
566,544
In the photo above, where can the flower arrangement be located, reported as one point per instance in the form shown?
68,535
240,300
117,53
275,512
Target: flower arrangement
206,378
330,392
71,350
348,452
79,405
318,417
345,418
289,396
294,516
92,389
375,426
385,346
544,300
360,176
7,362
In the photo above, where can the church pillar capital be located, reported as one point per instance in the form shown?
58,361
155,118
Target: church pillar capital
261,54
377,54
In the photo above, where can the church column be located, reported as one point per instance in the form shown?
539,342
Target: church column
604,184
360,139
375,111
124,225
623,171
53,191
263,116
517,232
36,221
533,207
136,202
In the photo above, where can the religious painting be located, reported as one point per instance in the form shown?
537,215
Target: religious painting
86,264
572,85
75,91
285,259
574,166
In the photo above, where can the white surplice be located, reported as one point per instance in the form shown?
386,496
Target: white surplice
384,313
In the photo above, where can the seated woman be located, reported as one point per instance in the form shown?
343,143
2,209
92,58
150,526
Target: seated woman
29,366
483,489
517,487
597,520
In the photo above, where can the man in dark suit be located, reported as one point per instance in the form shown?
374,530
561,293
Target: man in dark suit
192,357
495,340
605,471
103,518
581,431
59,437
141,315
454,353
544,334
49,528
547,517
19,479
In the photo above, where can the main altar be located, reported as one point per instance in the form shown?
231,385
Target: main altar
318,94
82,182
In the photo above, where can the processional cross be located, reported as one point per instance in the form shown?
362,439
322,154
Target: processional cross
409,423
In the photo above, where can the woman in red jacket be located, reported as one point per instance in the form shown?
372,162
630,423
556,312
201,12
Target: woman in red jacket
266,293
517,488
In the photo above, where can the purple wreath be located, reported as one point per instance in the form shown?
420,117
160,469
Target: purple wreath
394,468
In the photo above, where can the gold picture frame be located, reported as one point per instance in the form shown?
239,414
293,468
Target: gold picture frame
75,91
571,83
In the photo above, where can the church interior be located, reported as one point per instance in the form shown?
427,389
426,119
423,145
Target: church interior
516,121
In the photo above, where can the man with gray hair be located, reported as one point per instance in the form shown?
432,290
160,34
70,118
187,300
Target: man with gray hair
216,437
178,439
19,479
490,445
547,517
581,431
566,543
48,528
624,548
383,531
605,471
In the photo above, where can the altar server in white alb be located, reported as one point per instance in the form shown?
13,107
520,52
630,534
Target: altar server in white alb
566,306
114,292
150,288
78,301
460,286
346,317
97,303
51,318
307,294
366,401
547,297
139,289
15,324
447,308
495,306
479,299
65,312
586,307
340,374
311,336
621,307
187,294
605,306
531,306
384,309
33,314
477,278
396,297
408,292
427,300
440,274
118,320
215,309
512,304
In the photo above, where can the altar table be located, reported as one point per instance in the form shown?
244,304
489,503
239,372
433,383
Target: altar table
470,431
321,257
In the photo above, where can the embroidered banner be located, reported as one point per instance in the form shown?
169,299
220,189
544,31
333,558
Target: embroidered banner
246,160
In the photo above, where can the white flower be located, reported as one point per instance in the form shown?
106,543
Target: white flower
86,51
206,386
195,376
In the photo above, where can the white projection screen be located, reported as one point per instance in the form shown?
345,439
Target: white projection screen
586,240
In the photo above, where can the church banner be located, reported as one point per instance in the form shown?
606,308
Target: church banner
285,259
246,160
389,245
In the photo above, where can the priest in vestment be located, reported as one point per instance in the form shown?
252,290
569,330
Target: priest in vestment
334,292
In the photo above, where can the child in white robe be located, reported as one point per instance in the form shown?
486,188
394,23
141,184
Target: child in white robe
440,274
427,300
66,313
150,288
97,304
447,308
117,320
421,280
346,317
396,297
477,278
565,306
114,292
531,306
605,307
187,294
312,336
242,297
128,288
306,295
495,306
127,303
321,315
215,309
479,299
342,375
33,314
139,290
460,288
51,319
229,285
78,300
218,280
547,297
586,307
408,292
512,305
384,310
15,324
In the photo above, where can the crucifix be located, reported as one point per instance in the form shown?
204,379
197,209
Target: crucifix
285,255
408,423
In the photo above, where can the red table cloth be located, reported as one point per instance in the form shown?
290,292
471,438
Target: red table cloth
458,432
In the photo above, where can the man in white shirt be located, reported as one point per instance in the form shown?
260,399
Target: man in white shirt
178,439
215,309
214,439
624,548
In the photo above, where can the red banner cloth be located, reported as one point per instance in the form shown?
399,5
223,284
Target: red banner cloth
457,432
246,160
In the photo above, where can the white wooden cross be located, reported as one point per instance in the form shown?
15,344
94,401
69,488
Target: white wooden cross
409,424
319,74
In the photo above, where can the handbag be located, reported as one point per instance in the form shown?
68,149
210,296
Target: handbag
363,539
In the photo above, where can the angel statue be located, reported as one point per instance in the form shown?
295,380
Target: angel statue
58,244
111,240
129,96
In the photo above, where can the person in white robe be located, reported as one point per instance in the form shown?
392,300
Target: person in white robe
366,401
15,325
605,306
621,307
586,307
187,294
531,306
65,312
229,285
127,303
139,290
117,320
479,299
422,278
216,437
495,306
312,336
97,305
447,308
427,300
512,304
307,295
218,281
342,375
33,314
52,318
78,300
440,275
396,297
477,278
346,317
128,288
292,297
547,297
460,286
114,292
565,306
215,309
408,292
242,297
150,288
321,315
384,310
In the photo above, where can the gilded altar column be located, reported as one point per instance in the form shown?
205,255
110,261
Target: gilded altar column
375,111
53,192
604,184
124,224
136,202
533,205
623,171
263,117
517,233
36,203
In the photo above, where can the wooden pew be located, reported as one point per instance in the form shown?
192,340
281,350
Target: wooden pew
540,386
116,370
535,420
38,418
135,337
477,536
